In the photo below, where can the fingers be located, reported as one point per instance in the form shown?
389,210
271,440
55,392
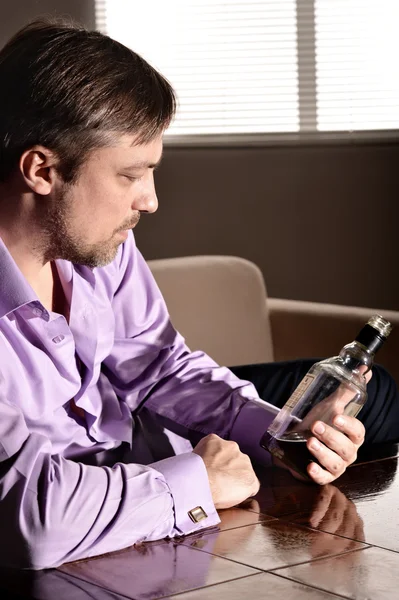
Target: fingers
319,475
351,427
345,442
334,450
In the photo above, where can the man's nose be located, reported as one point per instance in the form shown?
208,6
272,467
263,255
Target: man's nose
147,201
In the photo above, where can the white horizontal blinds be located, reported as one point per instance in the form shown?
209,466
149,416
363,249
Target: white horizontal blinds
268,65
357,64
232,63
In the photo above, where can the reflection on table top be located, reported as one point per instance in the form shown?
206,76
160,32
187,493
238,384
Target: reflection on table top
294,540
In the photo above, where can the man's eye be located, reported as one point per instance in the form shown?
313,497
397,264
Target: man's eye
131,177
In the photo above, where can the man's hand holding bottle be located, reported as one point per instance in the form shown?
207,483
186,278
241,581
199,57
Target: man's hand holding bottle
319,419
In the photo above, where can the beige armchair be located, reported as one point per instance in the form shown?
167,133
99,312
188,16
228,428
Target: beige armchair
220,305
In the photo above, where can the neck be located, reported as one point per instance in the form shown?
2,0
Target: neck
21,233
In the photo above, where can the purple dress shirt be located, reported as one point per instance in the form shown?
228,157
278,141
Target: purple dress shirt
71,486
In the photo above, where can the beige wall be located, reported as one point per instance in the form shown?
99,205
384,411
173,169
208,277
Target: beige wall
320,221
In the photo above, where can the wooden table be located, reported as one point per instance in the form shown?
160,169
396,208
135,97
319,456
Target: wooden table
294,541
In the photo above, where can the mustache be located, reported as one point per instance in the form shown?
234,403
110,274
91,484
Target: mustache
132,223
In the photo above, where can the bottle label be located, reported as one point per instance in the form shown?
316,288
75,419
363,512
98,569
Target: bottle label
300,390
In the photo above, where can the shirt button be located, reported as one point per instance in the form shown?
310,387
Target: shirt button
58,338
37,312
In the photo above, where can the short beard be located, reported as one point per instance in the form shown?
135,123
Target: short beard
60,242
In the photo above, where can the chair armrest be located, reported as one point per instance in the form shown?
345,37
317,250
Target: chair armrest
313,329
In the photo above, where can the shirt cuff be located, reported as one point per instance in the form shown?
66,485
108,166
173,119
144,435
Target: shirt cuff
249,427
187,478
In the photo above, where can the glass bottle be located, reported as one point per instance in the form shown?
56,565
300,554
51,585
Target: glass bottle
333,386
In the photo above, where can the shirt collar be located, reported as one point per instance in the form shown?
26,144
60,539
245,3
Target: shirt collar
15,289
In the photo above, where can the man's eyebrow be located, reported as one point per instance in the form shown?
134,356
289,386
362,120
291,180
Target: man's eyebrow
143,164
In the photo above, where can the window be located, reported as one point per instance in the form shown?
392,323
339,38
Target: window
271,66
357,57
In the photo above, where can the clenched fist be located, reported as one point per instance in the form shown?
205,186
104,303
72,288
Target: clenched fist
231,476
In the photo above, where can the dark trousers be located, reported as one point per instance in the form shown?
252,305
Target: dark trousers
275,382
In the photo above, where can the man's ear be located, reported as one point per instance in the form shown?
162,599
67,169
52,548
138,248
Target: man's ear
37,166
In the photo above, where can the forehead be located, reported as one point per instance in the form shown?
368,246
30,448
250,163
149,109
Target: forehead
124,148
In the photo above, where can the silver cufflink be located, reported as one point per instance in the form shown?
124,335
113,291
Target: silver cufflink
197,514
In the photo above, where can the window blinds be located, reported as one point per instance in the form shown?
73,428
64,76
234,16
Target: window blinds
268,66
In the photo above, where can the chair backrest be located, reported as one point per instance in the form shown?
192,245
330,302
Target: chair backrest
218,303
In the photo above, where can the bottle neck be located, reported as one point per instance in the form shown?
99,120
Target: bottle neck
355,355
370,338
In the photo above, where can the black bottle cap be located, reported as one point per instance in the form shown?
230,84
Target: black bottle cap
370,338
374,333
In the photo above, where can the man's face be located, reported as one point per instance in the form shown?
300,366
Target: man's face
88,220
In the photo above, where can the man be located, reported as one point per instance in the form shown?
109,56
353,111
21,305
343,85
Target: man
100,398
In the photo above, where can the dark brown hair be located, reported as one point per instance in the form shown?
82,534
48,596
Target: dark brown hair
70,89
